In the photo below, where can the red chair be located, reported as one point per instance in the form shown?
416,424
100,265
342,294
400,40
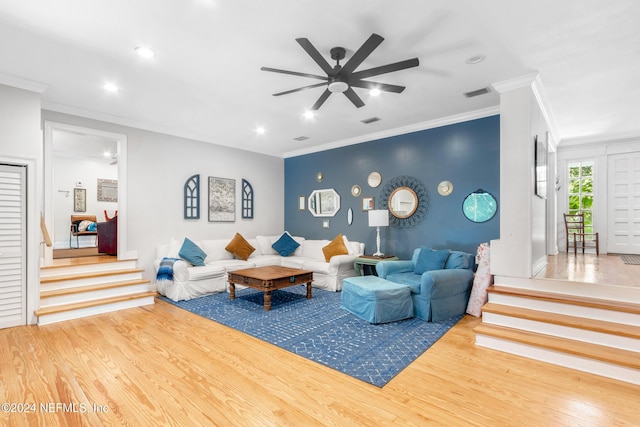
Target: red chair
108,236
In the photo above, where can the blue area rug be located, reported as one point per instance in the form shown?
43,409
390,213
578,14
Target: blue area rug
318,329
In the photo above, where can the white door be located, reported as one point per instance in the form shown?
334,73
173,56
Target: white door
13,284
623,194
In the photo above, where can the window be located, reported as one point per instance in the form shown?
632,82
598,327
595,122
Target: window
581,191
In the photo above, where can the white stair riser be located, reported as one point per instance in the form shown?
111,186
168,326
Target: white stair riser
576,334
92,268
90,311
591,290
86,281
593,366
91,295
568,309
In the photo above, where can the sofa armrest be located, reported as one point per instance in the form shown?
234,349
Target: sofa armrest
444,283
338,260
384,268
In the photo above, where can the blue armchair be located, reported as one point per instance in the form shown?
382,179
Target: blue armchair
440,281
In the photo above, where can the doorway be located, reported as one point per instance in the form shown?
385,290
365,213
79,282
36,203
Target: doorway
77,161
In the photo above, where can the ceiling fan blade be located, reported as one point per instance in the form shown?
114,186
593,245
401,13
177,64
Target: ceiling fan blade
373,85
299,89
353,97
315,55
362,53
294,73
389,68
321,100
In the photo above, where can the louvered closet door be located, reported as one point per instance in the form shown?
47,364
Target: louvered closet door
12,247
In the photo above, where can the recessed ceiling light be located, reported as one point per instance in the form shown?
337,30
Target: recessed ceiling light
374,92
145,52
260,130
475,59
309,114
110,87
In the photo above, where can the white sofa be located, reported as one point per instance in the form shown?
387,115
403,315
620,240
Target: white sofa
194,281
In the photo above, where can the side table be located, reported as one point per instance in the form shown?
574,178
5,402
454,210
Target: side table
366,264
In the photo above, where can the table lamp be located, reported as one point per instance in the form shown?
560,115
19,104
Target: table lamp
378,218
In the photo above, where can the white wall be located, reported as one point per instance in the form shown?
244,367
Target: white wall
66,173
20,143
158,166
521,249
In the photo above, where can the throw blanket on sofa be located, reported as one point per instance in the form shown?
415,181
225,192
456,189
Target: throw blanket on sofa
165,271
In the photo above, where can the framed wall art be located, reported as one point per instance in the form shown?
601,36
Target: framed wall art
222,199
367,203
107,190
79,200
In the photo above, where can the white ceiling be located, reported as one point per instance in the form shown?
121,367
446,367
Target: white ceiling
205,82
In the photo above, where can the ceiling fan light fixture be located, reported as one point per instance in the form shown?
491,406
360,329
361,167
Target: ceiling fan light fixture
338,87
374,92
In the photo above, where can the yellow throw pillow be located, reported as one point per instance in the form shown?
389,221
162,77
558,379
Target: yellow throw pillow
239,247
336,247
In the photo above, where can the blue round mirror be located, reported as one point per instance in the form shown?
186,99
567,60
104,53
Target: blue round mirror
479,206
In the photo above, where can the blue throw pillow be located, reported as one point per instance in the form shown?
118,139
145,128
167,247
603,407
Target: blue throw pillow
192,253
429,259
285,245
457,260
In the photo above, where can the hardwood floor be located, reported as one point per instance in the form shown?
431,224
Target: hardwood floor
589,268
160,365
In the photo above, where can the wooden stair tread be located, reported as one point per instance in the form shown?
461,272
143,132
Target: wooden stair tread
616,356
621,306
89,288
92,303
79,262
77,276
585,323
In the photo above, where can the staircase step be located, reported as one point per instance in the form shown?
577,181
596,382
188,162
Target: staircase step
621,306
86,267
90,288
63,312
80,276
618,329
625,358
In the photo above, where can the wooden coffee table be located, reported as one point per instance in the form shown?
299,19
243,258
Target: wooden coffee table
268,279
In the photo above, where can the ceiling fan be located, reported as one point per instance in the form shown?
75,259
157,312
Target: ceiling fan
343,78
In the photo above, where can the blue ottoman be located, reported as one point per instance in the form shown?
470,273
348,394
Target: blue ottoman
376,300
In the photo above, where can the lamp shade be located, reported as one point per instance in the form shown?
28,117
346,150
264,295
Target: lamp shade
378,218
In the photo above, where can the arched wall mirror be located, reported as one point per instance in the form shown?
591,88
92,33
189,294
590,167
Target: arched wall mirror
324,202
479,206
407,201
403,202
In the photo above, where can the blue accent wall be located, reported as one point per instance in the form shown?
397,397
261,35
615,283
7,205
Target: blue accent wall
467,154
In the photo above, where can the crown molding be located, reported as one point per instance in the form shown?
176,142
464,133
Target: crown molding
431,124
515,83
20,83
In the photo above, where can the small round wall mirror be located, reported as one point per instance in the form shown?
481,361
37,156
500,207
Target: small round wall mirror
374,179
403,202
479,206
356,191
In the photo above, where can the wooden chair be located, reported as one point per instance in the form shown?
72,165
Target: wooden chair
576,236
74,230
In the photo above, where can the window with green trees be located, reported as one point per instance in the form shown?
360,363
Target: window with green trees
581,191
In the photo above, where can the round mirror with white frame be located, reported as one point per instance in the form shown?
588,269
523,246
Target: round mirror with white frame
323,203
403,202
374,179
